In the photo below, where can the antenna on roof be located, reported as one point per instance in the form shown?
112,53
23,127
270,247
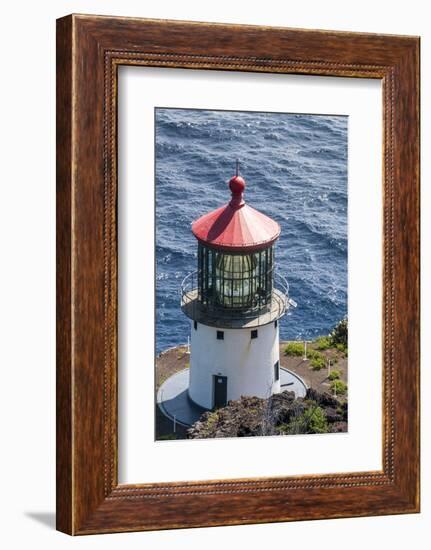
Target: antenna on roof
237,167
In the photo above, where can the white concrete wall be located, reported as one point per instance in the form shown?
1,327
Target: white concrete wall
248,364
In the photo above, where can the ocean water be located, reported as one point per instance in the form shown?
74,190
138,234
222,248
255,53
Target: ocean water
295,167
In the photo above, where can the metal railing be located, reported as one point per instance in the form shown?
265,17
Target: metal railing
217,315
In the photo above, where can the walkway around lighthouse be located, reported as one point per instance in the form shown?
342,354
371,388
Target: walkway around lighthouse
174,401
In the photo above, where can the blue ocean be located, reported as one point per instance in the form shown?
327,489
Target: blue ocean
295,168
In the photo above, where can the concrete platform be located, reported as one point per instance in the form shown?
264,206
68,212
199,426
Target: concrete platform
173,398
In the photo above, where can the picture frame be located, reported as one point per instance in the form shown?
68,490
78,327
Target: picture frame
89,51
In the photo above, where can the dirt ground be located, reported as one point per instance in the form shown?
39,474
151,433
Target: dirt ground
317,380
169,362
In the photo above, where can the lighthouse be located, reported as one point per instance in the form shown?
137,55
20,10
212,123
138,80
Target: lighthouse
234,300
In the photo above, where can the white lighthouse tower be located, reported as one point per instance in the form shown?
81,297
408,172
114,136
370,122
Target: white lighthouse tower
234,301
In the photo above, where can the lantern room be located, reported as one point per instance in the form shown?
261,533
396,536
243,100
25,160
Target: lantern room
235,282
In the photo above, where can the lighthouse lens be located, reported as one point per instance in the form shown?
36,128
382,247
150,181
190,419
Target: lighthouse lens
239,278
232,282
235,279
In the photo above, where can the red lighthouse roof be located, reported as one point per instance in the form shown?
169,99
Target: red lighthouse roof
236,226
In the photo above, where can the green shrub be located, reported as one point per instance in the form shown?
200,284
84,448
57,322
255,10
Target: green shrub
312,421
313,354
339,333
339,386
294,349
318,363
342,349
323,342
334,375
316,418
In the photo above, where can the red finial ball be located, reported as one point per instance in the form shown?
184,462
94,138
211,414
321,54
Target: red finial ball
237,185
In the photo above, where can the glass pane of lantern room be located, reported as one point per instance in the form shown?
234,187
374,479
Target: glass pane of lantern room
235,279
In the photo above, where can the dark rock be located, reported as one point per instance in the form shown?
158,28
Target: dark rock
332,415
253,416
323,399
338,427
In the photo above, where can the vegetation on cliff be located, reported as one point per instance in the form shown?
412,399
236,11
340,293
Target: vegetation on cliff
322,354
281,414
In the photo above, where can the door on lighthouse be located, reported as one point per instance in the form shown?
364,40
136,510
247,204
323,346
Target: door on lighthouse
220,391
